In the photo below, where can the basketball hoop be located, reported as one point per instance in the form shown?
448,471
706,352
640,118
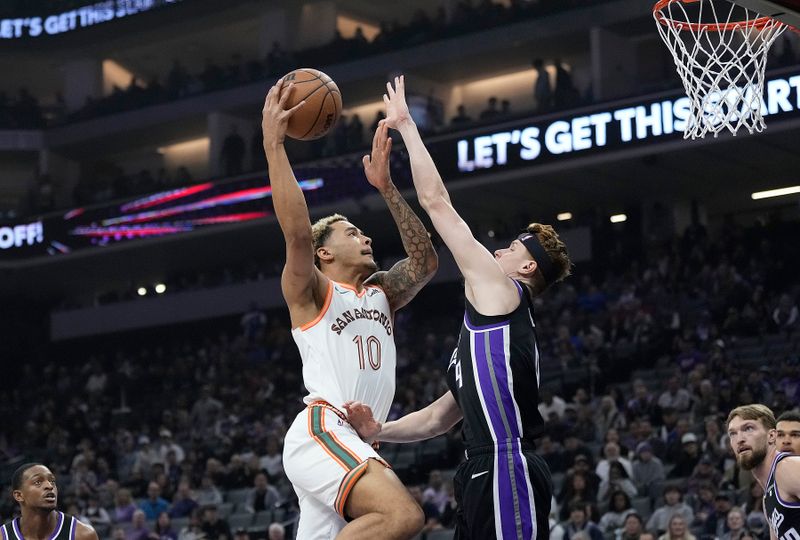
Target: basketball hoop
721,56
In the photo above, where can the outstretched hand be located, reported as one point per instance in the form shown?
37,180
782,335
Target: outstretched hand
274,116
361,418
376,165
397,112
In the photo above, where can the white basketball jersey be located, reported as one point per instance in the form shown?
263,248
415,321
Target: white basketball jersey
348,351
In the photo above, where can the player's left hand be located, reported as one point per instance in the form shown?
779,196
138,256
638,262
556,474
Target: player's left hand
376,165
361,418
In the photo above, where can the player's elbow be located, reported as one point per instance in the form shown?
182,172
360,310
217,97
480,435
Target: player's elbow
297,238
431,199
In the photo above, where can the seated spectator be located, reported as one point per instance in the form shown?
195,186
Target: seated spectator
674,397
632,528
124,506
263,496
618,480
183,504
704,472
579,522
167,444
193,530
618,509
448,515
688,458
785,314
214,527
575,490
612,454
241,534
208,494
608,416
736,524
754,509
715,523
673,505
702,504
428,508
163,529
677,530
96,514
648,471
153,505
643,402
552,454
550,402
436,491
138,529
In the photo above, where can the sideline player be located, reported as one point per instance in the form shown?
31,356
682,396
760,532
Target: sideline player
751,429
788,432
34,488
503,490
341,311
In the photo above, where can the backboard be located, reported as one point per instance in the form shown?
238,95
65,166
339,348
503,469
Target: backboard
787,11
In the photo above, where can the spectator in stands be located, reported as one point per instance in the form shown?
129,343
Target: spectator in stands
579,522
688,458
461,118
208,494
97,515
153,505
677,429
754,509
674,397
575,490
673,506
648,471
163,528
552,453
491,112
263,496
448,515
272,460
232,154
428,508
214,527
436,491
118,533
542,94
736,524
203,407
642,404
276,532
167,444
193,530
632,528
125,508
505,109
715,523
704,472
565,93
551,403
138,529
608,416
355,133
618,510
678,530
618,480
183,504
612,454
146,456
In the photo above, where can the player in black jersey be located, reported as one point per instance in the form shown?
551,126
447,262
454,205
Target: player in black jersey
751,429
34,487
503,490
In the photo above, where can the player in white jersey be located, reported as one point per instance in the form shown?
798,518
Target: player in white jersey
341,310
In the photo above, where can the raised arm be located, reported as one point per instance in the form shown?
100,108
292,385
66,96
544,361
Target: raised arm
407,277
435,419
487,286
301,281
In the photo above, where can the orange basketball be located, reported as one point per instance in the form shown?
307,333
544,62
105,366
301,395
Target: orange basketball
323,104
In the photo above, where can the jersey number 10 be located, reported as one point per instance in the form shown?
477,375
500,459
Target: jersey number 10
373,350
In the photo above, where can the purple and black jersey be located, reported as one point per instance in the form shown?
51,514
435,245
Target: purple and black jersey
503,490
494,376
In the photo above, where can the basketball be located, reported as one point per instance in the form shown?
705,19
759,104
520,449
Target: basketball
323,104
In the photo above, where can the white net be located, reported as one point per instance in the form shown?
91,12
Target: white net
720,50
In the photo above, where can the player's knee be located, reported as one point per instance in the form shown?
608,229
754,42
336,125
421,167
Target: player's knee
407,519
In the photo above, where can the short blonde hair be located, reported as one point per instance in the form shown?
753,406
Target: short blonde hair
321,231
754,411
556,249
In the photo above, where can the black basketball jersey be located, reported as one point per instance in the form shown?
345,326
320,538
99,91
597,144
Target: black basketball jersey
65,529
783,516
494,376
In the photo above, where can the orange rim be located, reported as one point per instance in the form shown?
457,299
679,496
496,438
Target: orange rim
759,23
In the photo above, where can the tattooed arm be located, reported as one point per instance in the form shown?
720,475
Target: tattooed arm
407,277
